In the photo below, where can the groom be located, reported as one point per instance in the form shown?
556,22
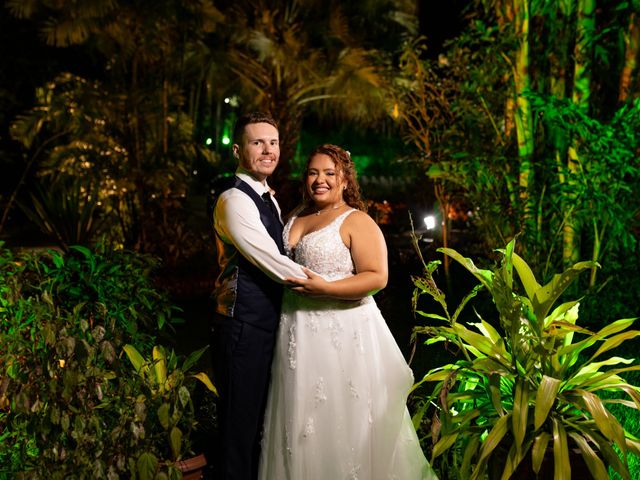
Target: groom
253,266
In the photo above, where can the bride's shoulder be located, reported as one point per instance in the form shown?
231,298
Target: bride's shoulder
359,219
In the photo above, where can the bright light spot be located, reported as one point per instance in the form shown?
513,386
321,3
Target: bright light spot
227,100
430,222
209,141
226,140
195,172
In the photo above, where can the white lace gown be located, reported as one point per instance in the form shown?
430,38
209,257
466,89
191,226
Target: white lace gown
337,402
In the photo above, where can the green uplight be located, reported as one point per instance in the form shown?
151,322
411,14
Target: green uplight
209,141
226,140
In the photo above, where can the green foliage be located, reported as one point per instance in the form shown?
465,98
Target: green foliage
67,397
529,379
165,405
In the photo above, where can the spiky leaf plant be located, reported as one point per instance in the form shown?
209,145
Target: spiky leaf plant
529,380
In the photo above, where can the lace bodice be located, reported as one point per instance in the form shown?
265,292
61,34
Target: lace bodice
322,250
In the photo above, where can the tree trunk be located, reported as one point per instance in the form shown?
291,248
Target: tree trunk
585,31
524,120
632,45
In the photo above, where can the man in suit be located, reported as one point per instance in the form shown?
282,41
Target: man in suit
253,266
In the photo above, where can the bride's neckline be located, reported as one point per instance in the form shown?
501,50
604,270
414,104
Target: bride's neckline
295,216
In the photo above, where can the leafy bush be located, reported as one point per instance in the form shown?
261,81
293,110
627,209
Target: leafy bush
68,398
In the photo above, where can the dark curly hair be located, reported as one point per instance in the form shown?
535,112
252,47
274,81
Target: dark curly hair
346,168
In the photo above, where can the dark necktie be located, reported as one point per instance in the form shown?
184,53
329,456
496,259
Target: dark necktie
266,198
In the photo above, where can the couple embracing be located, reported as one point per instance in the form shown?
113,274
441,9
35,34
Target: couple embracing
312,383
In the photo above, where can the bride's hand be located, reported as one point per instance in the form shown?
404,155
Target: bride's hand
314,285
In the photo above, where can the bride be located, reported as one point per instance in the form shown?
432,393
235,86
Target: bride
337,402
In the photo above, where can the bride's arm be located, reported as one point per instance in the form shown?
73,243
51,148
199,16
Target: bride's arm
369,253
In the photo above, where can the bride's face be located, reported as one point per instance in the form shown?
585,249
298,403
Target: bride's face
324,184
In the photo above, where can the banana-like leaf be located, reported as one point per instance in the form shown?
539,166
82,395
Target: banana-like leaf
593,367
443,445
483,344
528,279
614,341
545,398
520,412
495,436
561,464
545,296
567,312
469,453
599,379
615,327
488,331
539,450
484,276
515,456
604,420
591,458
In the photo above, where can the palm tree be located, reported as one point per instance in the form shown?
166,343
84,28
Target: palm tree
126,127
294,57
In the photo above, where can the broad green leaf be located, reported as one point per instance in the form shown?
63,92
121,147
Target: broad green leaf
561,465
545,296
160,367
485,276
134,357
488,331
526,276
482,343
539,450
567,312
163,415
175,439
545,398
193,358
147,465
520,412
591,458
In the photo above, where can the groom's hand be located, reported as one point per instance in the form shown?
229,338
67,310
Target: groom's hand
313,285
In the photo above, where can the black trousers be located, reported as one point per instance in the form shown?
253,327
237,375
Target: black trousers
242,366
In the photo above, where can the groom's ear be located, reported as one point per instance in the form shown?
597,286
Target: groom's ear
236,148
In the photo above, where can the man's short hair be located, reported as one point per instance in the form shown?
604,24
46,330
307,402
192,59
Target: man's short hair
248,119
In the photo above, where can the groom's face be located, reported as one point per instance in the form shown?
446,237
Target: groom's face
259,150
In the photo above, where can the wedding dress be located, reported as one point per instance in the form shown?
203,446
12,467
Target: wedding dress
337,402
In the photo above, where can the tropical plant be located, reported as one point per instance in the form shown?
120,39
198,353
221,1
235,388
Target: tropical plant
165,408
65,393
526,381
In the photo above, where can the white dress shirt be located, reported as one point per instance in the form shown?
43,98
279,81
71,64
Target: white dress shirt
237,222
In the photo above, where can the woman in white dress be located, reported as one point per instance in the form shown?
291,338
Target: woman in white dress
337,402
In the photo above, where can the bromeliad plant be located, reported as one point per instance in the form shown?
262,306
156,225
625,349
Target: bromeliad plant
529,381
